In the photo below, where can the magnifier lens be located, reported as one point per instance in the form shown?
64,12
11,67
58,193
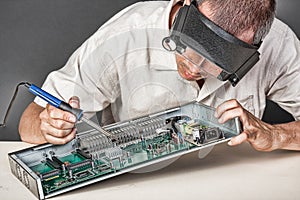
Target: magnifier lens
190,66
202,63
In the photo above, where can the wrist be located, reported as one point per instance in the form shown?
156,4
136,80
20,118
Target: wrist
277,137
283,135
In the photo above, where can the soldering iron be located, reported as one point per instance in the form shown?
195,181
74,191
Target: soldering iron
52,100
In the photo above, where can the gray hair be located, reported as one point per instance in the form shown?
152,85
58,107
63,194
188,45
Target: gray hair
237,16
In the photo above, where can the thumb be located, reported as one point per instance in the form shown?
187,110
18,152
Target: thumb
74,102
238,139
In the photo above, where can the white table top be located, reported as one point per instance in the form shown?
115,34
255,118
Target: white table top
226,173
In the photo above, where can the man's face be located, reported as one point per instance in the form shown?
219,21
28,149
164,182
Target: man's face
197,67
188,70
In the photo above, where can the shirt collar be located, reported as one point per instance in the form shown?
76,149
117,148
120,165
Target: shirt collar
210,85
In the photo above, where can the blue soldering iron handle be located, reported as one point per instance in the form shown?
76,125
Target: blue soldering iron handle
52,100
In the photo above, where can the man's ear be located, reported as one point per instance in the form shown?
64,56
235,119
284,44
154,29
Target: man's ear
246,36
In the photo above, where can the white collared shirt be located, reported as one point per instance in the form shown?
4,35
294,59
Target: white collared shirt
124,65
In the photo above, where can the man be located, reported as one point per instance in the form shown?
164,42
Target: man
124,67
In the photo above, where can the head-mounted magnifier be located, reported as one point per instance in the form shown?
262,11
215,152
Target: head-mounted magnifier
209,47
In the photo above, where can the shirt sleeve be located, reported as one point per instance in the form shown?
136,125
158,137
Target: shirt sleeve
284,73
89,74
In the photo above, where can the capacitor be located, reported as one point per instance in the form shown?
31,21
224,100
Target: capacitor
196,134
70,173
181,123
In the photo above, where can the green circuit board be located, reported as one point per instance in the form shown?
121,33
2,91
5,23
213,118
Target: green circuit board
48,170
78,167
135,144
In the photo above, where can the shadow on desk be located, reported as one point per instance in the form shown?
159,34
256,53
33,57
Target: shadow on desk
221,158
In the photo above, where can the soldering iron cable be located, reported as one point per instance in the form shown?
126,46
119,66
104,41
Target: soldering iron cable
3,124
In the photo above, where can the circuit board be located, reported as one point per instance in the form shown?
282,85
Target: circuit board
92,157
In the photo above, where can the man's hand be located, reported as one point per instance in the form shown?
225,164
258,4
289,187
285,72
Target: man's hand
262,136
39,125
57,126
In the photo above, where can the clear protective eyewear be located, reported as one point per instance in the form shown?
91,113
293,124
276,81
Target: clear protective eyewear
205,67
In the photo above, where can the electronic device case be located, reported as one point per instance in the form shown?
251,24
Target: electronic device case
48,170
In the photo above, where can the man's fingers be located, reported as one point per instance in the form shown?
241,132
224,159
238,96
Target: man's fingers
60,133
74,102
227,105
56,113
60,124
60,140
238,139
57,126
229,110
230,114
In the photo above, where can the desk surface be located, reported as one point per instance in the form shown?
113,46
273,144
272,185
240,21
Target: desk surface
226,173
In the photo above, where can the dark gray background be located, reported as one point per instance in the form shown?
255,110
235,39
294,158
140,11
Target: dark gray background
38,36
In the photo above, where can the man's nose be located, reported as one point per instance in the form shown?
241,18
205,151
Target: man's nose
194,69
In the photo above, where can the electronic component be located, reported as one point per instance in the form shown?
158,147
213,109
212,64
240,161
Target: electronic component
48,170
